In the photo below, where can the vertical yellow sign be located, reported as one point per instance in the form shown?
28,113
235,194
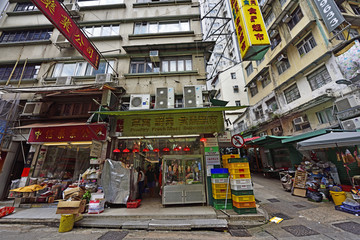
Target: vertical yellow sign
241,32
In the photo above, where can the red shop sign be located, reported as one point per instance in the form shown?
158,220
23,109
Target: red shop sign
59,17
68,133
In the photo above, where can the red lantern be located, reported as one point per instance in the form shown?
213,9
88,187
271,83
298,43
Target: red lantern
146,150
166,149
202,139
136,150
126,150
116,150
176,149
186,149
156,150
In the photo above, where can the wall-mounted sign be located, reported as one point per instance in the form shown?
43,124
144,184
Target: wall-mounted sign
330,13
170,124
96,148
237,141
250,29
59,17
212,160
68,133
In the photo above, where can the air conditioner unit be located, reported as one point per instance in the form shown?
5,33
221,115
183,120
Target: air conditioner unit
62,42
269,110
346,103
193,96
273,33
252,85
298,120
281,57
64,81
73,9
260,78
154,56
165,98
139,101
34,109
263,134
277,130
109,99
104,78
351,124
287,18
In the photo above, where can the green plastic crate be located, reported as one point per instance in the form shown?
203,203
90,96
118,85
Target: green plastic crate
222,206
220,175
245,210
238,160
242,192
222,201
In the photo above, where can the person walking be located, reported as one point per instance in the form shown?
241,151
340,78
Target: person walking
141,182
150,180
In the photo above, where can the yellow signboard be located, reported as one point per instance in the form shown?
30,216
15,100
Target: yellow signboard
170,124
250,29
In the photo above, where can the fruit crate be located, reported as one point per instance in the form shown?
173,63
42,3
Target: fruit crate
219,180
222,195
240,187
221,190
243,198
220,175
133,204
219,171
238,165
242,192
222,201
240,175
244,204
239,170
240,181
220,206
220,185
238,160
244,210
344,209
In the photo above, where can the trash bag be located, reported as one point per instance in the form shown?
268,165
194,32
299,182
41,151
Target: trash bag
314,196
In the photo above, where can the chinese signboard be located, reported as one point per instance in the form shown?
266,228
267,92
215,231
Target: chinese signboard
330,13
171,124
250,29
58,16
68,133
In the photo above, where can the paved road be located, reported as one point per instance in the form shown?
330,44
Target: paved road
302,220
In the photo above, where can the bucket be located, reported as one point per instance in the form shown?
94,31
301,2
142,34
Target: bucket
338,197
66,222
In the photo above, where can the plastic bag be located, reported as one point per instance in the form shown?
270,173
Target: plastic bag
349,156
315,196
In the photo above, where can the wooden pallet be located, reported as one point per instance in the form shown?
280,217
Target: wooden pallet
300,184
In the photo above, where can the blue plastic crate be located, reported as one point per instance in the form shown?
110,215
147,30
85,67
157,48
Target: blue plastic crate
351,207
344,209
219,170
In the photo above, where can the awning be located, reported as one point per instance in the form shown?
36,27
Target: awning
329,140
308,135
51,124
267,140
250,139
171,110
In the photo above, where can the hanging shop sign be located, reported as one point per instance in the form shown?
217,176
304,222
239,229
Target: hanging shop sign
250,29
170,124
225,137
330,13
237,141
59,17
68,133
96,148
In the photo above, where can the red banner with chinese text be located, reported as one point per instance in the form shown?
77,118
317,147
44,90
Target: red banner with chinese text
58,16
68,133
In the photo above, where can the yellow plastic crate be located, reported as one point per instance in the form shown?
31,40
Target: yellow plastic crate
244,204
238,165
243,198
221,195
220,185
239,170
240,175
221,190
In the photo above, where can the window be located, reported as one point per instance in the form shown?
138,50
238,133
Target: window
325,116
30,72
84,3
301,123
81,69
306,45
282,2
282,66
295,16
24,7
339,34
233,75
292,93
341,8
101,31
275,41
241,126
258,62
272,104
253,90
161,27
237,103
265,81
355,8
353,33
178,64
319,78
25,36
144,66
269,18
249,69
258,112
236,89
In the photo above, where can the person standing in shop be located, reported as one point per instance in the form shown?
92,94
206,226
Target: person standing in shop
150,180
141,182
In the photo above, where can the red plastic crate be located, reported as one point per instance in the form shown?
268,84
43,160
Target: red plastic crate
133,204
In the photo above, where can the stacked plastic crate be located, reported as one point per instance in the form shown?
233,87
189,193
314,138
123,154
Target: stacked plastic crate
221,188
225,158
241,186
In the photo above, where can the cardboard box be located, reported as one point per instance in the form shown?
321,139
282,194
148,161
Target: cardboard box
71,207
301,192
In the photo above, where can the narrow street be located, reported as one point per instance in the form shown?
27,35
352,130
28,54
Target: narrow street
302,220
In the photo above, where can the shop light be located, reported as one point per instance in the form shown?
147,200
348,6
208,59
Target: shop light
189,135
81,143
176,149
146,150
166,149
116,150
56,144
161,136
156,150
186,149
136,150
126,150
203,139
137,137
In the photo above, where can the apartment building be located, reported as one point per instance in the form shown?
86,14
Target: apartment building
295,88
151,54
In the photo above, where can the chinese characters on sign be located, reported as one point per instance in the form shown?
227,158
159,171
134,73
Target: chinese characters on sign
68,133
58,16
250,29
171,124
